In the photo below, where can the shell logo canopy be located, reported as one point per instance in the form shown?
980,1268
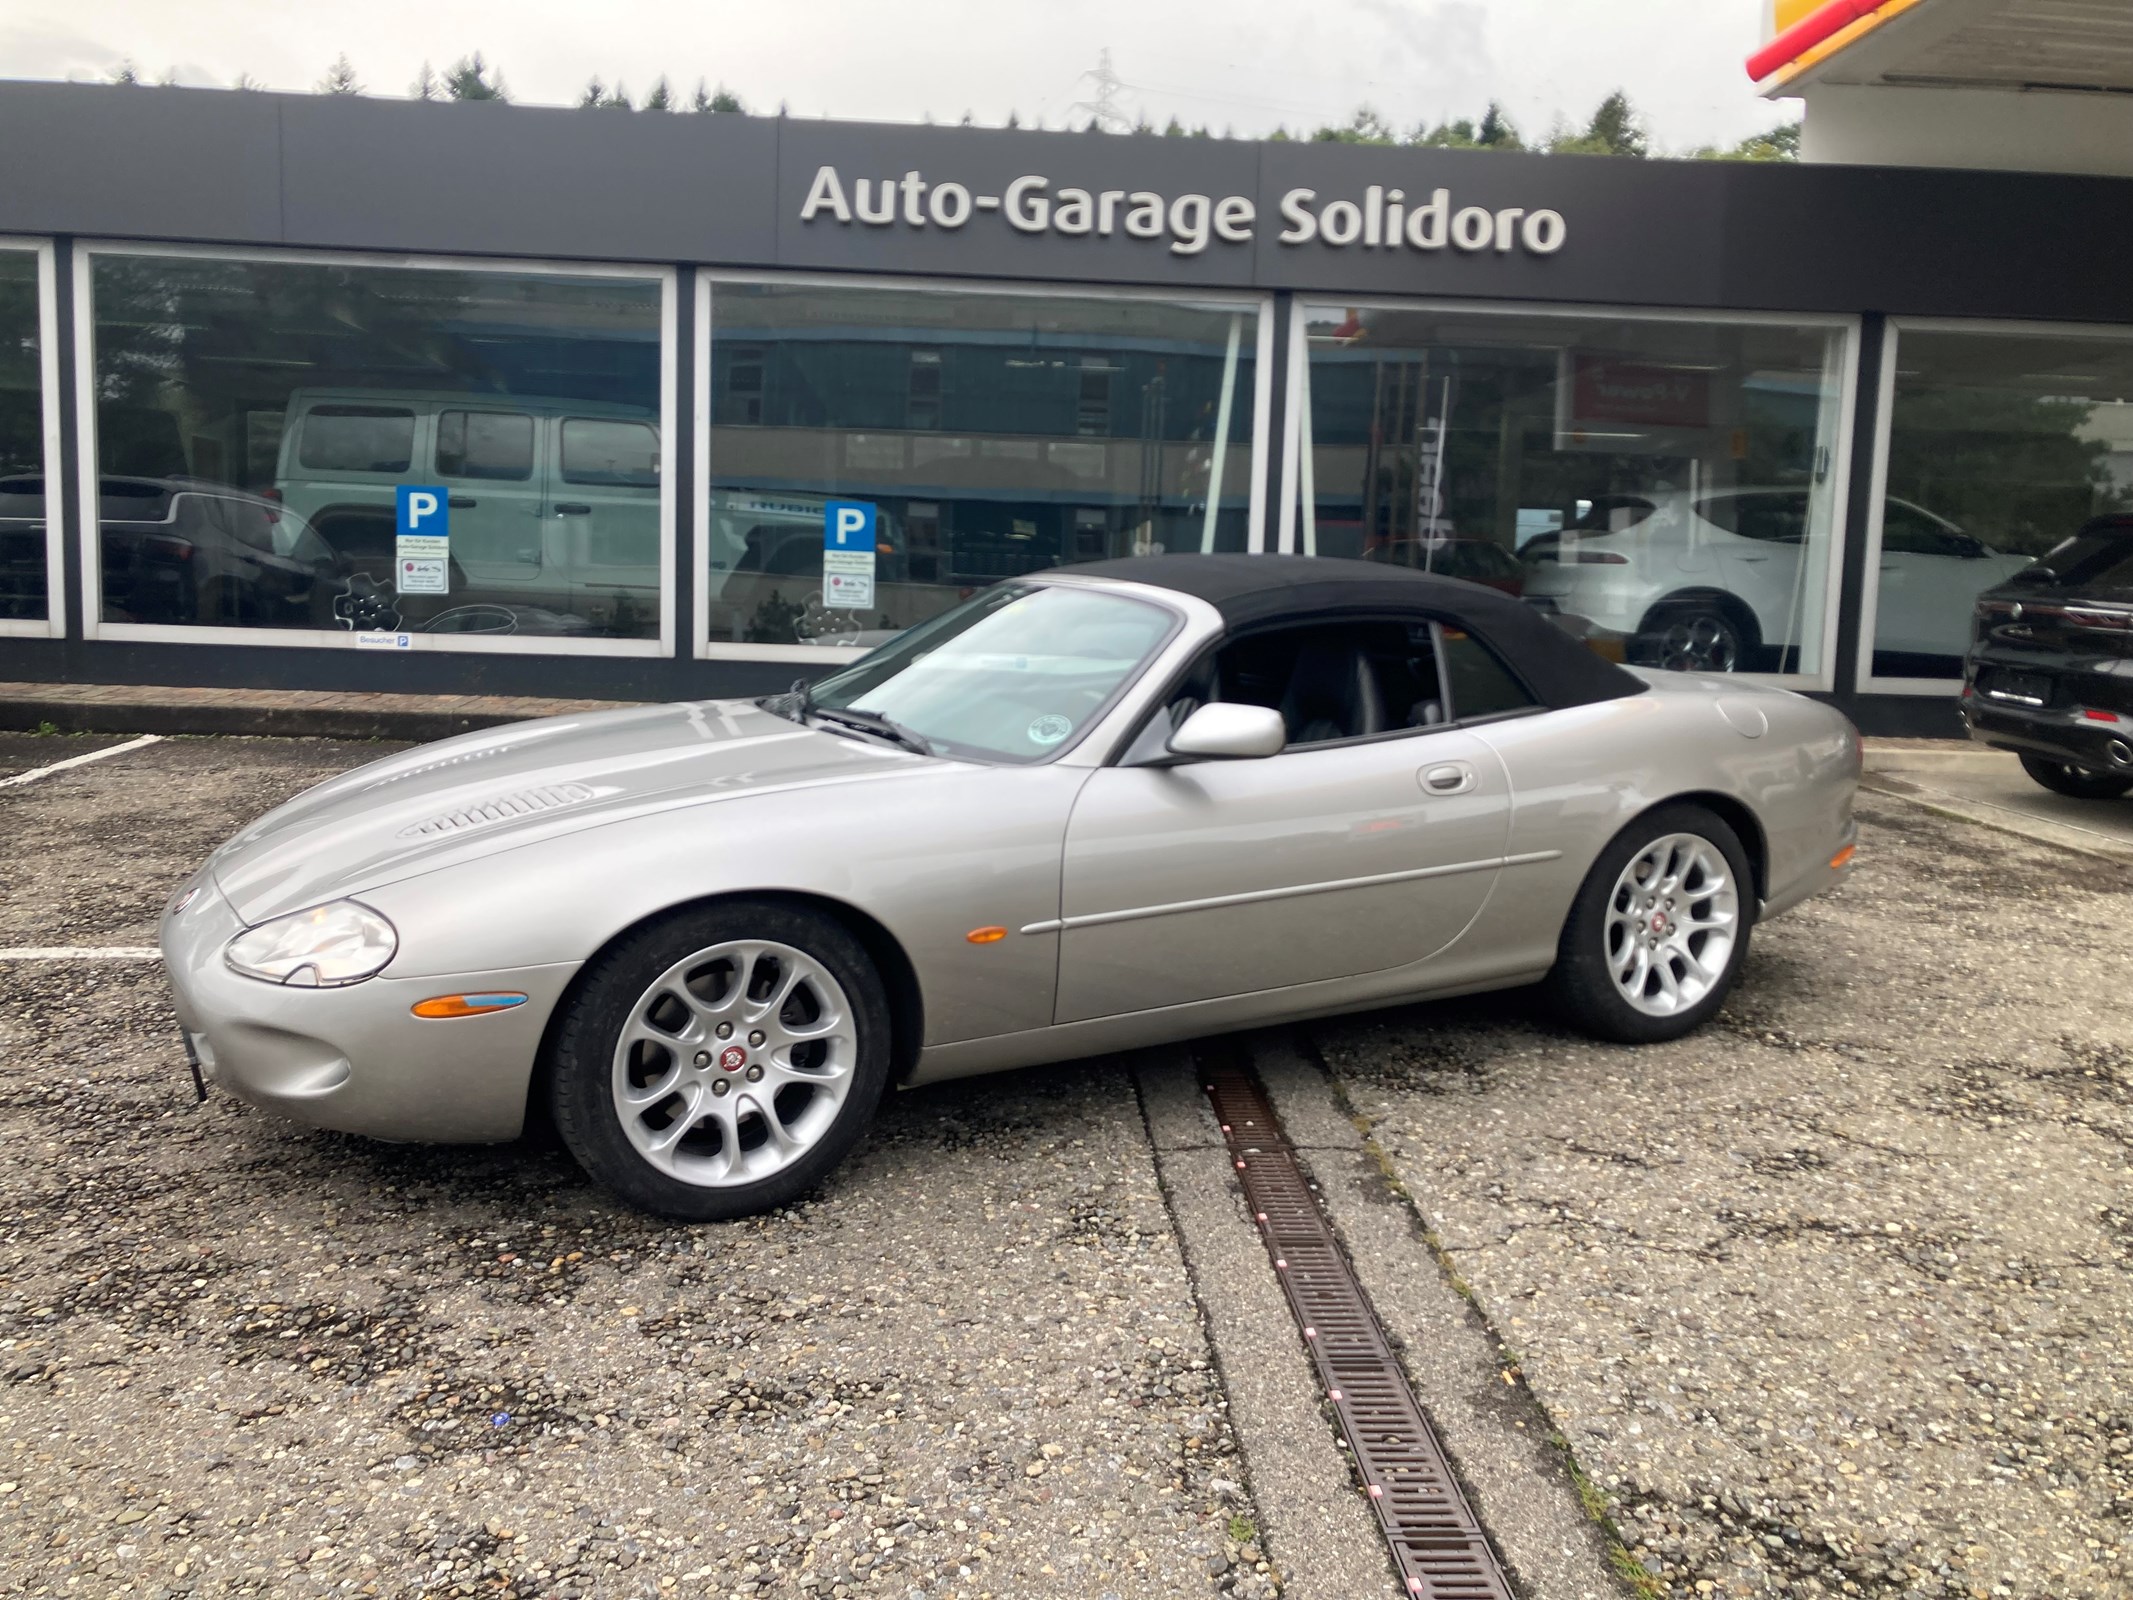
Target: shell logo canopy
1805,33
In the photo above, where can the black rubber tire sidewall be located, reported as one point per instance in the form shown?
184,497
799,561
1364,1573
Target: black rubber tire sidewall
1579,983
2077,783
581,1054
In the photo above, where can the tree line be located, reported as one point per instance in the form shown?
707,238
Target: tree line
1615,128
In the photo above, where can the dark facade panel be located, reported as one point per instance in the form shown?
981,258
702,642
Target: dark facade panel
511,180
139,162
986,165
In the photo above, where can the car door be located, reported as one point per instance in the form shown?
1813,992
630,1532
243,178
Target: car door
1930,576
607,503
487,460
1760,563
1332,859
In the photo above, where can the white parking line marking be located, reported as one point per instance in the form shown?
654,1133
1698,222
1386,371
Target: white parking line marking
75,761
84,952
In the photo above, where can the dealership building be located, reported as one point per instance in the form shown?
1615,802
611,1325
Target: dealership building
348,393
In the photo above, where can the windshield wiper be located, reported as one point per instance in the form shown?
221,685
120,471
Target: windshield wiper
870,722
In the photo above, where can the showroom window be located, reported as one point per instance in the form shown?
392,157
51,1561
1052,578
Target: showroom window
1670,486
965,435
1999,443
269,431
27,444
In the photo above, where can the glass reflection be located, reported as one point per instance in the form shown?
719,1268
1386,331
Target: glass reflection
2000,446
258,420
986,436
1665,486
23,591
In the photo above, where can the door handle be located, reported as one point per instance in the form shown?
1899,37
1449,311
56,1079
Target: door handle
1449,777
464,502
573,508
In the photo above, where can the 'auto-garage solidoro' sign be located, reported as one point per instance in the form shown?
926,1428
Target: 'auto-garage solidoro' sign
1380,218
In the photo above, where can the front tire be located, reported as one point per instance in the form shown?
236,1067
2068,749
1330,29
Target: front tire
2081,783
721,1061
1658,930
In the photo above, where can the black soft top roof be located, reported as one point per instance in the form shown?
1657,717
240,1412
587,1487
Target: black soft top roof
1258,591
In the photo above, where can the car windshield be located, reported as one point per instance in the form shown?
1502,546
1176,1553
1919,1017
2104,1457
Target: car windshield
1011,675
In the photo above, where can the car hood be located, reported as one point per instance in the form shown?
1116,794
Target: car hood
505,787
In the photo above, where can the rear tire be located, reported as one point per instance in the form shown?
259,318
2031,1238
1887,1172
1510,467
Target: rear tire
2081,783
722,1060
1658,930
1697,636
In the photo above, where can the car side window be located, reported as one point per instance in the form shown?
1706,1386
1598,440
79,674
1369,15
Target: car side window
357,439
492,445
1907,531
1771,518
617,455
1481,685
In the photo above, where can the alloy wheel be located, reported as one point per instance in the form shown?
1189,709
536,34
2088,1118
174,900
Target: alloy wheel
734,1063
1671,924
1698,641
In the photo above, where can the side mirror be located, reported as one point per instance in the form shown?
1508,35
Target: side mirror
1224,731
2041,576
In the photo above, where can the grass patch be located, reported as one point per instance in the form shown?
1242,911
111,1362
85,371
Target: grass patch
1243,1529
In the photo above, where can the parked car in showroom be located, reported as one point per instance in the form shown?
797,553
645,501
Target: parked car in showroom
554,504
2050,675
1714,582
188,550
1087,810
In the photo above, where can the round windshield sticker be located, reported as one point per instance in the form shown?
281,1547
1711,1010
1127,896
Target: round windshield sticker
1050,729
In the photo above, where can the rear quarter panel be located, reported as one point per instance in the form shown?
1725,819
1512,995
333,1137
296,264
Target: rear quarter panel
1580,775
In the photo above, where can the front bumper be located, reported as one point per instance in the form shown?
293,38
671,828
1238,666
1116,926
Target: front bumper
2060,733
356,1059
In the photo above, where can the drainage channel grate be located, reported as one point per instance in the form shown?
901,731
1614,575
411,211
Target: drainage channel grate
1436,1540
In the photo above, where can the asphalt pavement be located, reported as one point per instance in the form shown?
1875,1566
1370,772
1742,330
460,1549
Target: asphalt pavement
1829,1299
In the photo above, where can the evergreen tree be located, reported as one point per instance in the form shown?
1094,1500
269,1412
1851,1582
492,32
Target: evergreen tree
1365,127
595,93
471,78
1012,121
660,99
1497,131
340,77
702,102
425,85
1173,129
1615,129
726,100
618,98
126,74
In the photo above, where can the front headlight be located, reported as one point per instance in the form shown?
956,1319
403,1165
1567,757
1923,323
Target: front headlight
323,948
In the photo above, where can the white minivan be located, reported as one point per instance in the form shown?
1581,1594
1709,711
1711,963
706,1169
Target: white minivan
554,503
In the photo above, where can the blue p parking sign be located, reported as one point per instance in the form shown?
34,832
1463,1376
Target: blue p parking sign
848,554
422,549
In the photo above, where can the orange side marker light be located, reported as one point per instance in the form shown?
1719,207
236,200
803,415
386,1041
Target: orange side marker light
467,1005
1843,858
986,935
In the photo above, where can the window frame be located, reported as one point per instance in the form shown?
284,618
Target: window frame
53,625
533,444
93,627
1259,304
1436,624
1295,470
1884,422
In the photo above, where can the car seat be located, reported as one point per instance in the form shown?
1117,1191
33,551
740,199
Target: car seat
1333,693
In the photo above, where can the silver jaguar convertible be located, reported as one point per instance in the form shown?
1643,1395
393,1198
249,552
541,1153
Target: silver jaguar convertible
1099,808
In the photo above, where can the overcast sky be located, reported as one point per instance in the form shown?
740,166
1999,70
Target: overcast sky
1244,64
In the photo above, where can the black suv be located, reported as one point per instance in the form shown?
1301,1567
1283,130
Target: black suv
2050,670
